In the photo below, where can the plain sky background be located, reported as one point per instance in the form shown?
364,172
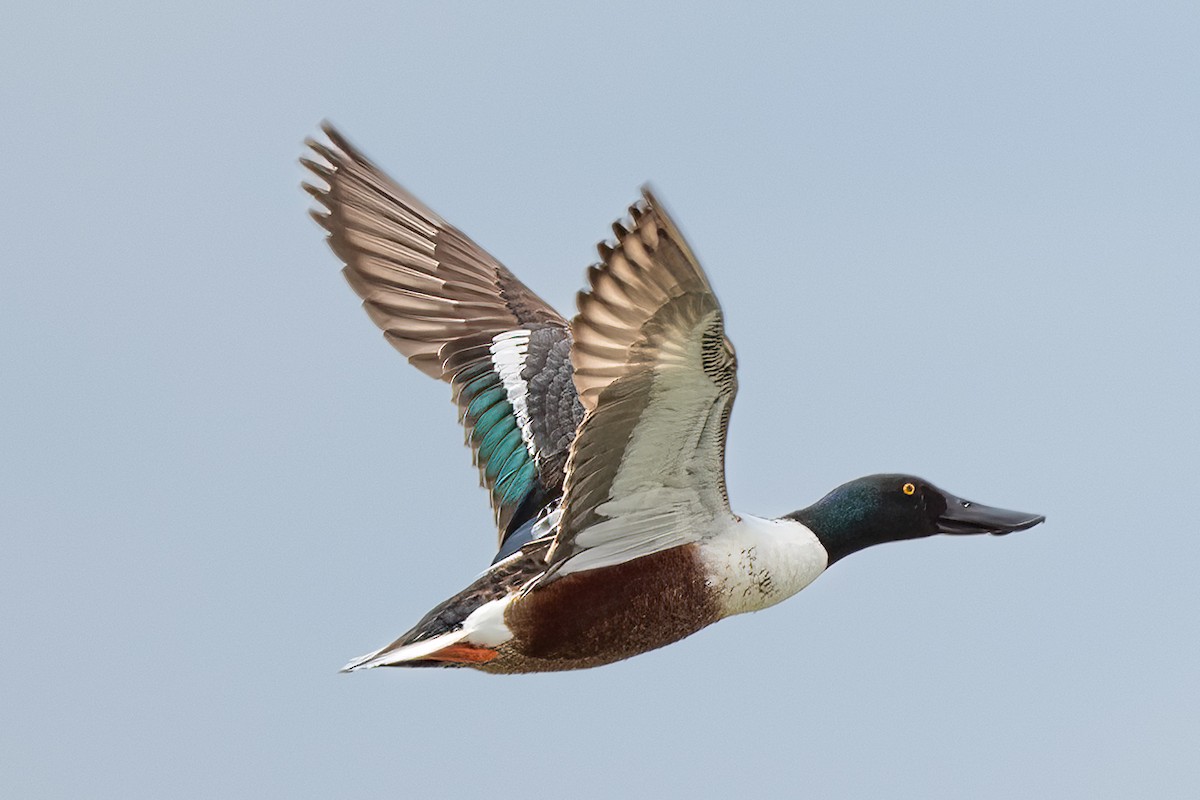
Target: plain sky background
954,240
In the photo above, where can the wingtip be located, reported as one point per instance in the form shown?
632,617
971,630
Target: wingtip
316,191
649,195
339,141
329,130
323,171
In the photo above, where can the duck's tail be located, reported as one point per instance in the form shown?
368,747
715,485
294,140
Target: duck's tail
447,650
471,642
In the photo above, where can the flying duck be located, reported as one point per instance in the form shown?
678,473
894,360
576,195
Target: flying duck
600,441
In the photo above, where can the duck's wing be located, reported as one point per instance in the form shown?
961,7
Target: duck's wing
460,316
657,377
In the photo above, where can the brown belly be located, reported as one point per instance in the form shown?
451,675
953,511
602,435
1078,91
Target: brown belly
586,619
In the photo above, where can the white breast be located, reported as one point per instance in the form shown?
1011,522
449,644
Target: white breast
756,562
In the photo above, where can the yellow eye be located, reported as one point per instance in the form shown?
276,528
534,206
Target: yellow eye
909,488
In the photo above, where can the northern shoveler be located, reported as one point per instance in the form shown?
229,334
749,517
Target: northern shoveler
601,441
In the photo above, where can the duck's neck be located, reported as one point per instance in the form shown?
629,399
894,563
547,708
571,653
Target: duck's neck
844,524
758,562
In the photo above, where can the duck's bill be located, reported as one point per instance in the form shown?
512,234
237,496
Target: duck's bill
963,517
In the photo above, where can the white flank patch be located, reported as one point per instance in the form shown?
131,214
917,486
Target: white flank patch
758,562
484,626
508,355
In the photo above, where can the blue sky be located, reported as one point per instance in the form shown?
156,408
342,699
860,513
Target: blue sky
954,241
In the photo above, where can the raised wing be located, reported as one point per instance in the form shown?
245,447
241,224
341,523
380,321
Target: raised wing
657,377
458,315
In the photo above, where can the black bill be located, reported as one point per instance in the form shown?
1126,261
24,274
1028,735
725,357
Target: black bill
963,517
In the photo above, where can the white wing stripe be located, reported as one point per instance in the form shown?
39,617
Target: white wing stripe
508,355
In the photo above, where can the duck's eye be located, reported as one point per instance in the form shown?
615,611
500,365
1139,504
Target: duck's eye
909,488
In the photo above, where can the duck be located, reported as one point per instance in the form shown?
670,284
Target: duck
600,440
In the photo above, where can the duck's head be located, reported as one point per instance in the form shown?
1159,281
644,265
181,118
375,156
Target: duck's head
890,508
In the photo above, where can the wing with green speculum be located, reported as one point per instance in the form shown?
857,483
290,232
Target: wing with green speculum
460,316
492,399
